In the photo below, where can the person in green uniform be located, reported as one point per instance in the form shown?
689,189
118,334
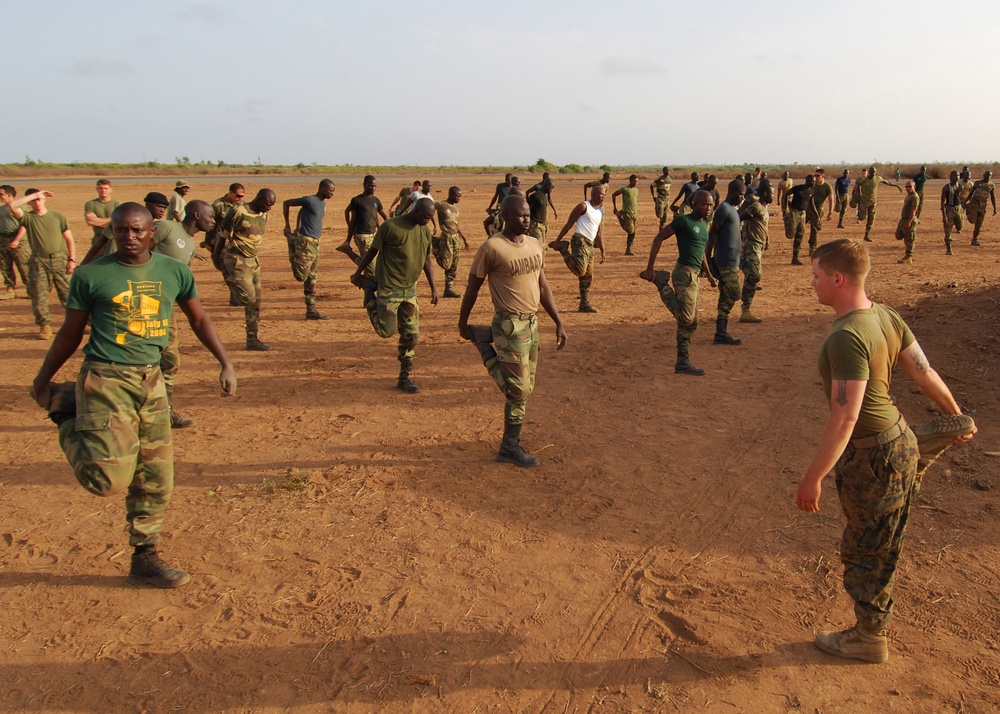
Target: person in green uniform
97,211
446,248
512,262
822,193
539,199
659,189
754,218
795,204
604,181
682,300
975,205
303,243
628,214
403,248
868,188
866,442
906,230
114,424
177,241
14,258
919,179
951,209
784,186
53,254
239,250
402,201
222,206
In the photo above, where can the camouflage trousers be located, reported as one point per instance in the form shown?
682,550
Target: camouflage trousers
43,274
750,264
447,250
729,291
952,219
682,301
14,259
815,222
976,215
841,208
662,206
396,311
244,281
628,221
513,359
876,487
303,255
363,241
579,257
907,235
539,231
866,212
121,439
684,209
170,359
795,227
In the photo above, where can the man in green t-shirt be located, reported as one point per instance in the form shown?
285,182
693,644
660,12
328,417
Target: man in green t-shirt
628,215
866,441
238,249
918,182
403,248
868,189
14,258
975,204
682,300
53,254
659,189
822,193
97,212
402,201
177,241
754,218
446,248
906,229
114,425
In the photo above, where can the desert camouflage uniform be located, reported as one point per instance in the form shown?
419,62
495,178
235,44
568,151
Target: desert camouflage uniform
876,486
754,232
396,311
363,241
976,210
12,259
243,231
121,439
908,235
539,231
729,290
44,272
682,301
447,249
579,257
662,200
512,360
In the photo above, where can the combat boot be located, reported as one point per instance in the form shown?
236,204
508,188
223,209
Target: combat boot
795,258
45,332
854,643
179,422
722,336
370,288
684,366
62,402
449,292
255,345
148,569
628,248
975,240
405,382
585,305
747,316
482,338
905,259
8,294
510,448
314,314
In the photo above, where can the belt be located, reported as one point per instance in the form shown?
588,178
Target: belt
893,432
518,315
101,360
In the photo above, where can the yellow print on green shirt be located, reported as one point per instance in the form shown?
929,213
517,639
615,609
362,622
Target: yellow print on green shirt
137,316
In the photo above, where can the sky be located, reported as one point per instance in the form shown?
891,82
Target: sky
502,83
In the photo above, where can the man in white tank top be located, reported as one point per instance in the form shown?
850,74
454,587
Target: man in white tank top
585,220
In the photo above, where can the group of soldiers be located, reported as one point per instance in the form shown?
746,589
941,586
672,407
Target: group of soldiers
115,422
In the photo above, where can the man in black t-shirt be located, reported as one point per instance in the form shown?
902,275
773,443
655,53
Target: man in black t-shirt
362,215
794,204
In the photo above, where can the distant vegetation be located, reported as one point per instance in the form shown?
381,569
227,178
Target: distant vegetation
183,166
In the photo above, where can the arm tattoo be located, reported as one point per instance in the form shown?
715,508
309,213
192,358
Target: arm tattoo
920,359
842,392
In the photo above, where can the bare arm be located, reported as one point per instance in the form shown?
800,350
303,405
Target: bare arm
846,396
549,304
18,237
574,216
367,258
429,274
207,335
70,250
93,221
654,249
915,364
63,346
548,198
469,302
614,200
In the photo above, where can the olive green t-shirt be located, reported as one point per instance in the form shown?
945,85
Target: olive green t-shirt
101,209
692,237
869,190
45,233
864,345
171,239
403,249
447,214
910,205
8,224
630,200
130,306
820,193
244,230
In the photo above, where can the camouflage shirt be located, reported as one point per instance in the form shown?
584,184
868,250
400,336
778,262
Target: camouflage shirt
244,230
981,194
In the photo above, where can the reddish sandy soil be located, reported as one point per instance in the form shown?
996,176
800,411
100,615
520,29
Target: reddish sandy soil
353,548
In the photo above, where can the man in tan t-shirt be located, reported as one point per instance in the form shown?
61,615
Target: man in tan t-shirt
513,264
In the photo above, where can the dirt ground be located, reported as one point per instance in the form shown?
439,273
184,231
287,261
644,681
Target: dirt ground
356,549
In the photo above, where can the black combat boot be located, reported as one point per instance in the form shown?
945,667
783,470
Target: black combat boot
684,366
482,338
255,345
148,569
510,448
369,285
585,305
722,336
62,402
405,382
313,314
